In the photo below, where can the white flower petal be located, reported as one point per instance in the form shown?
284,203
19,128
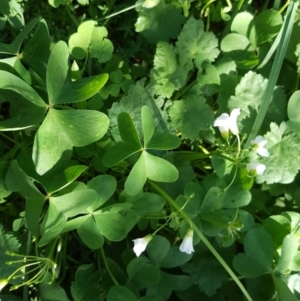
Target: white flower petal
256,168
226,122
140,244
263,152
187,243
258,144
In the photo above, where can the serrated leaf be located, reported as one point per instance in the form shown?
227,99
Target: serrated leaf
167,76
283,163
61,130
159,23
191,114
194,44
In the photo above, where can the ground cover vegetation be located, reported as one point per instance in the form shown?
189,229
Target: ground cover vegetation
149,150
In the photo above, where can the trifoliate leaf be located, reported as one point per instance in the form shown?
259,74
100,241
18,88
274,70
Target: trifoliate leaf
191,114
138,96
283,163
91,39
159,23
248,97
166,75
194,44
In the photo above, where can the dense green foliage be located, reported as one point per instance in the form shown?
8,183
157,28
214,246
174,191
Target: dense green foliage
149,150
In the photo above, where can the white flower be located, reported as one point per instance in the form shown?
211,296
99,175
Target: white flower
3,283
256,168
226,123
140,244
187,243
258,144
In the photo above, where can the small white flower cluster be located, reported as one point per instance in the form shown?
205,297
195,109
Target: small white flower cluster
228,123
140,244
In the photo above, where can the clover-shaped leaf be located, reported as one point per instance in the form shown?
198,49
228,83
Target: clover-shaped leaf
148,165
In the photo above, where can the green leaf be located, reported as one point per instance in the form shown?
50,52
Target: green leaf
238,48
258,246
57,71
53,292
243,23
163,141
283,163
90,233
267,25
143,273
166,75
157,249
7,243
191,114
121,293
17,180
127,130
62,130
86,285
112,225
288,252
105,186
283,291
194,44
92,39
147,203
147,124
81,89
159,23
57,3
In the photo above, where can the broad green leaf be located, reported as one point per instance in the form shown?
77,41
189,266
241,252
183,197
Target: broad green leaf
166,75
105,186
147,203
163,141
267,25
243,23
235,197
17,180
238,48
92,39
61,130
127,130
143,273
159,23
175,258
147,124
288,252
157,249
57,71
278,227
52,226
119,152
53,292
283,292
293,108
191,114
194,44
111,225
283,163
86,285
74,203
121,293
137,176
4,192
90,233
13,83
258,246
81,89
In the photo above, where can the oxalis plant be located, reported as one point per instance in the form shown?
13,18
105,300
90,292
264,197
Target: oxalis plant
149,150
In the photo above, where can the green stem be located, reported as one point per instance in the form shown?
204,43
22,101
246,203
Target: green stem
201,236
107,267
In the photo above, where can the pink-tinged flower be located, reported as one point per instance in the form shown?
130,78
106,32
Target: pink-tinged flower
187,243
227,123
256,168
140,244
258,144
